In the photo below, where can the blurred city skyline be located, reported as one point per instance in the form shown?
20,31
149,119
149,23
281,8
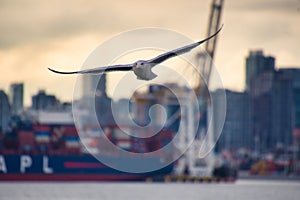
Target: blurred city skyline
36,35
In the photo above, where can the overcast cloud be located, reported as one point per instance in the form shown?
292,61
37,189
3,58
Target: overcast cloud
37,34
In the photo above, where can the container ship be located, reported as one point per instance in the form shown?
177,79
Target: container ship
52,151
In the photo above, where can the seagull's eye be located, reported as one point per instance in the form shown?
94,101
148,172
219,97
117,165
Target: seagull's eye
142,63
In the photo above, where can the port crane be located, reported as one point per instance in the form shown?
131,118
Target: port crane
192,162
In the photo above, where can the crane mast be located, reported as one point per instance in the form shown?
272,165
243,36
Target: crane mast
196,164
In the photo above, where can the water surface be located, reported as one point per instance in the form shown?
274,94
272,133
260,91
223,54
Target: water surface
241,190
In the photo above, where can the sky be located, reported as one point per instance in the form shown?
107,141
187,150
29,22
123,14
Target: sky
35,35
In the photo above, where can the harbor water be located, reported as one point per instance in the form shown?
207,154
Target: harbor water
243,189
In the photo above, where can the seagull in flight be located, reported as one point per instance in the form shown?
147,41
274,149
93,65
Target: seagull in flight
142,68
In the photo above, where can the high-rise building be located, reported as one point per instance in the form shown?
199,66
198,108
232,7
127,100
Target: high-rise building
94,90
262,109
282,109
260,75
256,63
236,129
16,97
5,113
293,74
43,101
92,82
272,100
271,105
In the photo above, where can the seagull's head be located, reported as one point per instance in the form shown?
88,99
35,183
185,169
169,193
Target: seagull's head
140,63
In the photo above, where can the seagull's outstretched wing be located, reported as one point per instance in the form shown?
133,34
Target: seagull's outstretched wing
98,70
161,58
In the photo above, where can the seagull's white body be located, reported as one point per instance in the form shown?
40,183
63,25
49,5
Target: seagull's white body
142,68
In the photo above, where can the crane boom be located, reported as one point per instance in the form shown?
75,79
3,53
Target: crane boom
210,47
